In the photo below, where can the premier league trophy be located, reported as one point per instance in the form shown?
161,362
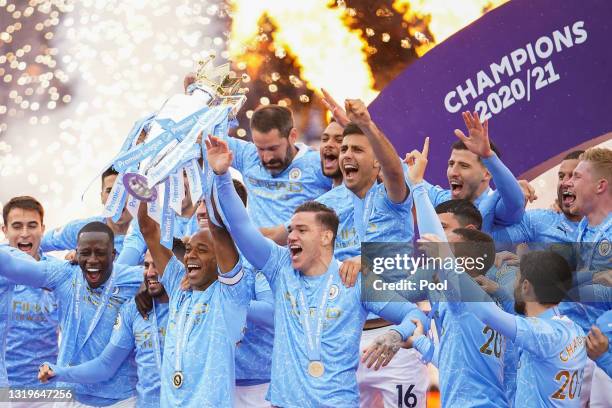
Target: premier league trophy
170,147
213,98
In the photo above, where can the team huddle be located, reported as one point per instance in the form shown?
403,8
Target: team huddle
264,298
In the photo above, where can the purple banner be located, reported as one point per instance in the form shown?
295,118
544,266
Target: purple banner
540,71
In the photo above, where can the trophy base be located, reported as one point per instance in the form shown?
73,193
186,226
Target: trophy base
136,184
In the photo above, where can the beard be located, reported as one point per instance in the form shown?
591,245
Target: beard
280,165
519,304
519,307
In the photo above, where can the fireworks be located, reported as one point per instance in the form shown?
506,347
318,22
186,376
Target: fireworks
75,75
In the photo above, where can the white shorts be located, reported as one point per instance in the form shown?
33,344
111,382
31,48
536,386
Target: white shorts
251,396
601,389
405,373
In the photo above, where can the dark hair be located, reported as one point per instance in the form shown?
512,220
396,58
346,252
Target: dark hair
178,248
269,117
24,203
459,145
97,226
325,215
548,273
352,129
481,245
465,211
109,172
573,155
241,190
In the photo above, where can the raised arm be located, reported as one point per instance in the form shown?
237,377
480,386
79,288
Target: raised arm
151,233
99,369
387,156
134,247
225,250
17,268
427,219
251,243
61,238
511,207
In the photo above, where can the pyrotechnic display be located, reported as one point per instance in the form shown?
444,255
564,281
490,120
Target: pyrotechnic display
313,203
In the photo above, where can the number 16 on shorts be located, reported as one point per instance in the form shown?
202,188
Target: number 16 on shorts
405,397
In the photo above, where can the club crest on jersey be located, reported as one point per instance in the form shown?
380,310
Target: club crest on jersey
333,292
117,324
604,248
295,174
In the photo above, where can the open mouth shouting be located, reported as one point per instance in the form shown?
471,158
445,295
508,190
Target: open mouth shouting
350,171
296,250
94,274
25,247
330,162
456,187
567,198
193,269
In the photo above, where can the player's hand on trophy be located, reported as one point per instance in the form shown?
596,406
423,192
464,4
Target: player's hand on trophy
45,373
417,162
380,352
334,107
477,140
219,155
357,112
349,270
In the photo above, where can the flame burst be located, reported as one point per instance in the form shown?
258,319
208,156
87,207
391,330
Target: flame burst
330,55
445,17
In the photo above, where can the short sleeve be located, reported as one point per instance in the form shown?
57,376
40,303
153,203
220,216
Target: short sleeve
173,274
61,238
542,338
122,335
237,284
242,150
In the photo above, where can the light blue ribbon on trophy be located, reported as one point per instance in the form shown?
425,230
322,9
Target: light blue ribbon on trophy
194,178
173,163
173,131
177,190
132,205
116,200
154,210
208,120
167,219
127,144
